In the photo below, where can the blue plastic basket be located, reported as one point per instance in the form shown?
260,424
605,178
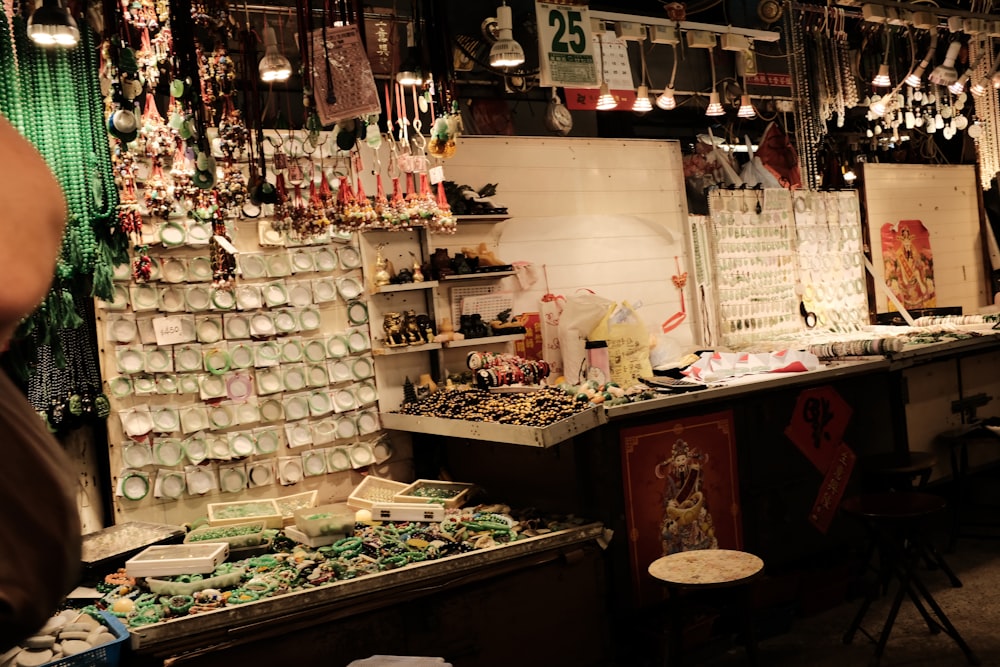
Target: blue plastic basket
106,655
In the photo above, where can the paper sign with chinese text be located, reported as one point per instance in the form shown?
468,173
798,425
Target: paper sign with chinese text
817,425
832,489
383,43
343,84
565,46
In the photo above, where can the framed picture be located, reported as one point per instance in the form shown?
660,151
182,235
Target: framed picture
925,231
681,492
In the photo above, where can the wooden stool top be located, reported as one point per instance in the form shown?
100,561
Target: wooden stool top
894,505
706,567
898,463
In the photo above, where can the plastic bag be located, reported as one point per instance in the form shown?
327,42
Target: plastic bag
550,310
779,156
581,313
628,344
755,173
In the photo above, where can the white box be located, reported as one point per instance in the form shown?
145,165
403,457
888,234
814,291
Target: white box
664,34
629,30
170,559
407,512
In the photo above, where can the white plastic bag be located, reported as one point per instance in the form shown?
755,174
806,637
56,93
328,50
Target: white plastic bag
581,313
755,173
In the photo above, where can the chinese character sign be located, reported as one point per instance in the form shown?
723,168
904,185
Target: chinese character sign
383,44
818,424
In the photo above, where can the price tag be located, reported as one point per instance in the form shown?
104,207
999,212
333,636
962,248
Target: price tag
169,330
565,46
435,174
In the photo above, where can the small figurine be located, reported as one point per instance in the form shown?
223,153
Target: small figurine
418,272
392,324
411,329
382,275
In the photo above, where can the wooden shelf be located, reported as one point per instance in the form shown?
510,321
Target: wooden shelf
406,287
482,275
485,340
490,219
404,349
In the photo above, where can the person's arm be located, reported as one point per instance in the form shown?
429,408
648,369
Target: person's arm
32,218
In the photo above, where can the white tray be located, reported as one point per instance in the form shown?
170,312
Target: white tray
171,559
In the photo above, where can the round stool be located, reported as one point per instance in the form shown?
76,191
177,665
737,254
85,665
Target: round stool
706,569
896,523
899,471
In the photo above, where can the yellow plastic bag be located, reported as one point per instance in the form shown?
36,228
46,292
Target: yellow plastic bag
628,344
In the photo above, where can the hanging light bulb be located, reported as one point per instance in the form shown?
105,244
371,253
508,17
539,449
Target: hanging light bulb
945,73
605,100
746,109
882,79
505,52
409,73
877,108
914,78
849,175
714,106
51,24
666,100
979,87
274,66
642,102
958,87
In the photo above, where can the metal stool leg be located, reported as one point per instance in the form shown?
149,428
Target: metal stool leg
945,623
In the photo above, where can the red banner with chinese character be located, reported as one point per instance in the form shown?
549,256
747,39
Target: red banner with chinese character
832,489
818,424
531,347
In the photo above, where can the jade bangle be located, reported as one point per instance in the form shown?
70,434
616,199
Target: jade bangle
391,562
217,370
241,596
180,604
145,600
147,615
346,544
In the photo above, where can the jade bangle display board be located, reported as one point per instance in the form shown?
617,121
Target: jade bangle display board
925,229
260,391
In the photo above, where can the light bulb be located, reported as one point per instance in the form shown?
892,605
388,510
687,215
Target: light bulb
979,87
642,102
877,108
505,52
714,106
605,100
746,109
51,24
666,100
958,87
881,79
409,73
945,73
274,66
849,175
914,78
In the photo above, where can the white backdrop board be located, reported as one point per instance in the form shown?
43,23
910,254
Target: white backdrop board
606,215
945,199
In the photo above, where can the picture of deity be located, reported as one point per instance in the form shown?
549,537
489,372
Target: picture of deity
909,264
687,522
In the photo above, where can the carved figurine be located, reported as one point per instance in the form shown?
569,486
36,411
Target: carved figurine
382,275
411,330
426,327
418,272
392,324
